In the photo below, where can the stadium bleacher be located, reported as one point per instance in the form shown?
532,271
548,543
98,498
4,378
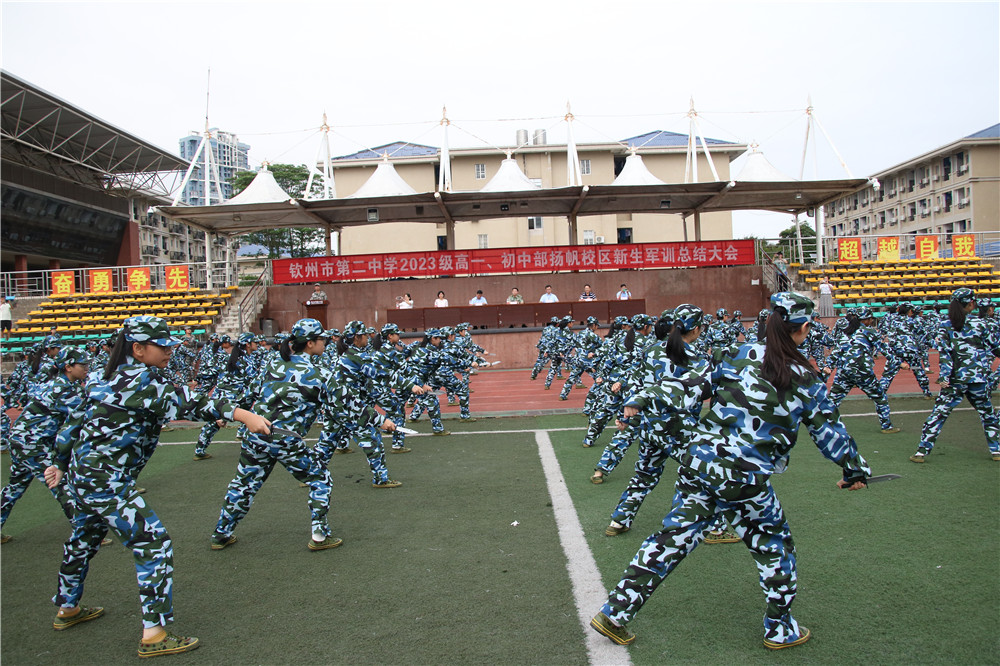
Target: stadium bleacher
925,283
82,317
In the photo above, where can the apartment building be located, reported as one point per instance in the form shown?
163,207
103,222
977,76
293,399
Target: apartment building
545,165
951,190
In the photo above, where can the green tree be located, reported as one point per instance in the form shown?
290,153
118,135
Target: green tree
281,242
788,244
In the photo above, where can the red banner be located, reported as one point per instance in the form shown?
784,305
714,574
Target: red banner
963,246
927,247
514,260
849,249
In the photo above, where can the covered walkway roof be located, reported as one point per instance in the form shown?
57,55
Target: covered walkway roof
448,207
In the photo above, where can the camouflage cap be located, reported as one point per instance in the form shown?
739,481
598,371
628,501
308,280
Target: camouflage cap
370,330
737,314
591,320
333,332
71,356
798,309
307,329
389,328
225,339
865,312
567,319
52,342
764,313
621,320
553,320
964,295
280,337
841,324
446,331
984,303
353,328
464,326
688,317
668,314
146,328
721,313
246,338
641,320
433,333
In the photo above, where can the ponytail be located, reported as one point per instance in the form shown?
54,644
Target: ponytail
234,357
117,356
853,324
288,348
663,328
36,359
956,315
629,341
676,348
781,352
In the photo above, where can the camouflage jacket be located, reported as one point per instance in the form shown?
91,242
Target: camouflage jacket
50,406
966,356
290,394
751,427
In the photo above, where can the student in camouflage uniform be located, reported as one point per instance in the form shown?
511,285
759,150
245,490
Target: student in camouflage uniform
674,385
234,384
106,450
720,333
763,394
987,313
901,342
586,344
421,366
42,363
613,374
560,345
739,330
544,344
33,439
352,413
756,331
290,392
628,383
966,353
390,385
856,367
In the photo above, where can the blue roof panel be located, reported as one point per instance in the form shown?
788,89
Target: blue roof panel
664,139
394,149
988,133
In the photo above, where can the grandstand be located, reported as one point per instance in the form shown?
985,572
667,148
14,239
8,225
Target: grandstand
926,283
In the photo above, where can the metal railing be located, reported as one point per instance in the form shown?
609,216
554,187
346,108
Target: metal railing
255,298
40,283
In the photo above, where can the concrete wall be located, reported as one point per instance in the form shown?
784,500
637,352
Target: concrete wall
709,288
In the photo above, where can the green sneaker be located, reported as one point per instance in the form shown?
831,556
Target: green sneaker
218,543
920,456
724,536
890,430
996,457
400,449
771,645
597,478
202,456
388,483
613,530
171,644
604,626
85,614
4,538
339,452
441,433
325,544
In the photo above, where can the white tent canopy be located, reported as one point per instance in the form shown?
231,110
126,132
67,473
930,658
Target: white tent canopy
758,170
635,173
262,189
509,178
385,182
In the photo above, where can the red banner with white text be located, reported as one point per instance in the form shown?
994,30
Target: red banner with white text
692,254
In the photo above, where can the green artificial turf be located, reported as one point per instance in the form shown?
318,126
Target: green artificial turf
434,572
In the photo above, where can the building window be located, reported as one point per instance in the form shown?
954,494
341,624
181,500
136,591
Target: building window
585,167
534,224
588,236
480,172
484,241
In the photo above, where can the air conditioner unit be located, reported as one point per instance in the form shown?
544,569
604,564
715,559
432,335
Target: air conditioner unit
963,168
599,240
935,177
937,209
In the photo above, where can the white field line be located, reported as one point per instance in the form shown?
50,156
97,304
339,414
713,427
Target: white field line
588,590
533,430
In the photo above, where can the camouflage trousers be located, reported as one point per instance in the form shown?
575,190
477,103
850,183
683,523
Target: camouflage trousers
843,382
893,365
755,514
428,402
555,370
257,460
948,399
574,378
137,526
5,426
368,439
208,431
601,415
24,470
394,405
616,448
540,362
654,450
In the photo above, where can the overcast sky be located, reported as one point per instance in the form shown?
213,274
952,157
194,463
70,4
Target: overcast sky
888,81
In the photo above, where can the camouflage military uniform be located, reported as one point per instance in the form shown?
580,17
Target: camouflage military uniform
110,446
560,346
902,347
421,366
235,386
856,367
586,345
33,440
966,357
671,396
544,344
745,438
